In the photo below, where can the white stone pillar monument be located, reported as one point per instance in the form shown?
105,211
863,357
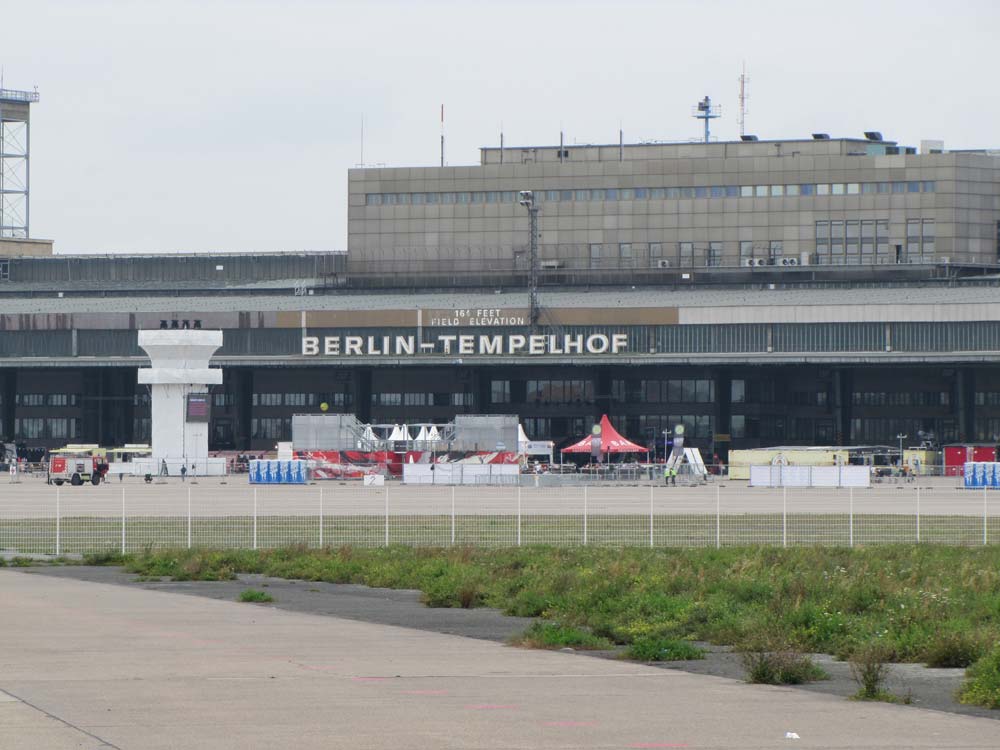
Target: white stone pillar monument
179,367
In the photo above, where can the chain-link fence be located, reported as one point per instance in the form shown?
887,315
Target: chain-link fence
132,517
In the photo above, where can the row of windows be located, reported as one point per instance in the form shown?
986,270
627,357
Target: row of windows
559,391
751,391
271,428
36,428
987,398
987,429
692,391
658,193
422,399
884,430
901,398
46,399
339,398
696,426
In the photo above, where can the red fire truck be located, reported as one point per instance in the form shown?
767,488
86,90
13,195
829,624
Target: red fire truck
76,469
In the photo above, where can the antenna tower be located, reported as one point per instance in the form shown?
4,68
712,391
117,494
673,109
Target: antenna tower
706,111
744,80
15,148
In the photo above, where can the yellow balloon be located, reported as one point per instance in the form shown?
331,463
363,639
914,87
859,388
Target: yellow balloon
324,406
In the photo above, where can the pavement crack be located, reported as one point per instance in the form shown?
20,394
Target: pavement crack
71,725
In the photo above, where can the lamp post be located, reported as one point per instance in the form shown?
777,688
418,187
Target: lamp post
527,199
900,438
666,440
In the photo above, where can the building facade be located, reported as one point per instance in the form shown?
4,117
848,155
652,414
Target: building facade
858,202
821,291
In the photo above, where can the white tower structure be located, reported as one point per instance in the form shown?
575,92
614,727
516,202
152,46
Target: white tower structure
179,377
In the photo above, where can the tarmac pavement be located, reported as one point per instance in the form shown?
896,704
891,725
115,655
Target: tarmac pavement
88,665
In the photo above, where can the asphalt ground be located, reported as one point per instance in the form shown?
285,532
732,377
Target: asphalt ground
84,661
210,497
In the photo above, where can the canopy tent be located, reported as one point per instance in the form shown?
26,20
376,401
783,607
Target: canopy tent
611,442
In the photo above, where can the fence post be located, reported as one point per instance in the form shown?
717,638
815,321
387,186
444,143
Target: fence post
918,515
453,515
321,516
584,515
985,520
123,520
850,519
518,515
57,521
386,515
650,516
189,517
255,518
784,516
718,519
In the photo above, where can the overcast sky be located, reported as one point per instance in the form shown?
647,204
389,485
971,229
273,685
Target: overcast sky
231,124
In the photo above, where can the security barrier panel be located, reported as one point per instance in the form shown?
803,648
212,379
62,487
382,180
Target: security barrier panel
279,472
980,474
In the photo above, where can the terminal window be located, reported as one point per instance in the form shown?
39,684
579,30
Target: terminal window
500,391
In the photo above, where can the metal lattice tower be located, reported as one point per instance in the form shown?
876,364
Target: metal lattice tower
15,151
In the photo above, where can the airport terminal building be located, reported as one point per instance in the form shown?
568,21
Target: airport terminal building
815,291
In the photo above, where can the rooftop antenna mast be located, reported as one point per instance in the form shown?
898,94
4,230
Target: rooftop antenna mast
743,99
706,111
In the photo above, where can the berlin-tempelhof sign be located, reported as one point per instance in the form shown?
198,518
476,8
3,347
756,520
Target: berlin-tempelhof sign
464,344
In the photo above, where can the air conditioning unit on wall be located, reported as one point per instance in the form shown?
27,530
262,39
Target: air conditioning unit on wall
789,261
551,264
663,263
749,262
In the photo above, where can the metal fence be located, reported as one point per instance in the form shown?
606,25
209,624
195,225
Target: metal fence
133,517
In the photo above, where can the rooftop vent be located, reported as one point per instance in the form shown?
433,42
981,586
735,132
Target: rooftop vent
873,135
821,136
748,138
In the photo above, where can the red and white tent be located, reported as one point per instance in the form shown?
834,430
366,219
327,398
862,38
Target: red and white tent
611,442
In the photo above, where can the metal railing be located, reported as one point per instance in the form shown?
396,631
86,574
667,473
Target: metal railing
131,517
13,95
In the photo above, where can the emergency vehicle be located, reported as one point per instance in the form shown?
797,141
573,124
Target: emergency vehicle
76,469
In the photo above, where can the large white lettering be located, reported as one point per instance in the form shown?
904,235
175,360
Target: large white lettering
491,344
597,344
352,345
465,344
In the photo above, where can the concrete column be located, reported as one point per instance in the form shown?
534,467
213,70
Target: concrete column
8,390
723,410
602,392
244,408
363,394
843,387
965,403
481,387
